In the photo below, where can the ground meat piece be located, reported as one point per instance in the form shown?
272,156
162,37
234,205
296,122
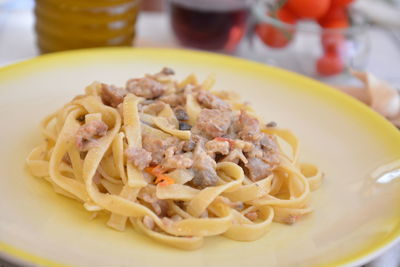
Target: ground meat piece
154,108
214,146
208,100
268,142
148,222
213,122
170,151
204,178
272,159
189,145
249,127
270,153
112,95
271,124
291,219
183,126
160,207
167,71
148,194
201,160
252,215
179,147
181,114
257,152
257,169
173,99
244,145
145,87
167,222
87,133
140,157
157,146
204,168
236,205
181,161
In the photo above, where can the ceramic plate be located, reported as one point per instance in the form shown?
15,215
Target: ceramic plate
357,209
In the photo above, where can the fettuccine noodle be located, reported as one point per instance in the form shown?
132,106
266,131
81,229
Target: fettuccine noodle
174,159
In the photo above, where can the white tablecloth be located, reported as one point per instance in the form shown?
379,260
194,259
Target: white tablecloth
17,42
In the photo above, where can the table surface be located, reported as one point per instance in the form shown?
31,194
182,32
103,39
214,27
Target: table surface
17,42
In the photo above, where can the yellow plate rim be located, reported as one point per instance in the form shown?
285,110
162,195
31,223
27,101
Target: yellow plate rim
20,256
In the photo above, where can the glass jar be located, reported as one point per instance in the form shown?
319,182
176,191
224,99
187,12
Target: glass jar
302,47
71,24
210,24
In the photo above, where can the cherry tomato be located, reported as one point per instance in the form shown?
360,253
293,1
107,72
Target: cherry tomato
312,9
333,42
335,18
284,14
275,36
341,3
330,64
338,24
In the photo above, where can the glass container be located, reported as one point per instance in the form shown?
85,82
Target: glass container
303,46
210,24
71,24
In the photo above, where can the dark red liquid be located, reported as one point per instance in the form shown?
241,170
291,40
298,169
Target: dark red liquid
209,27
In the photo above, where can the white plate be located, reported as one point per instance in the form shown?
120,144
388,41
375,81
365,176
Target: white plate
355,218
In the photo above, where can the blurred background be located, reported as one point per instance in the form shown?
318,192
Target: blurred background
323,39
359,34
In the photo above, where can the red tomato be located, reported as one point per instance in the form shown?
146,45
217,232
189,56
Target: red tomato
333,42
338,24
335,18
278,37
284,14
273,36
330,64
341,3
312,9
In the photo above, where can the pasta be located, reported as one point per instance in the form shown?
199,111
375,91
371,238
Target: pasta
176,160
